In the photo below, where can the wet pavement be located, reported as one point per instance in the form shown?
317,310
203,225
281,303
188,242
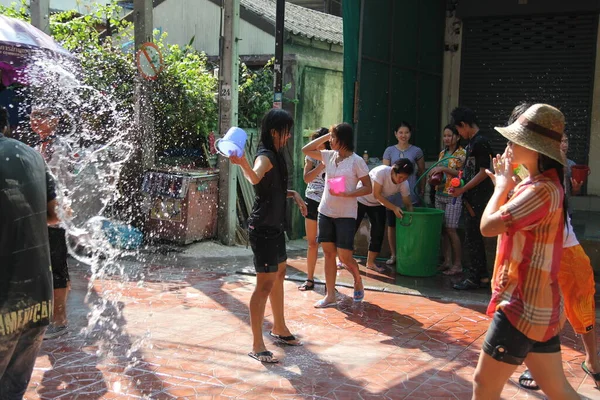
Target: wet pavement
178,328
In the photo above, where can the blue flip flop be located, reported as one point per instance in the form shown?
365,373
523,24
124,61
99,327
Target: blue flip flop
359,295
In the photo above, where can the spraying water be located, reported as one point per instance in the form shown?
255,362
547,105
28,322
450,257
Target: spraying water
92,143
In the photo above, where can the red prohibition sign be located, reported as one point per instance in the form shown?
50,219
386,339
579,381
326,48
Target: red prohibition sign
149,61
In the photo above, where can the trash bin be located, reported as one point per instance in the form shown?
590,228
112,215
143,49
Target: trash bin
418,236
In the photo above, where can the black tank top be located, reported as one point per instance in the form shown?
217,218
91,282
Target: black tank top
271,192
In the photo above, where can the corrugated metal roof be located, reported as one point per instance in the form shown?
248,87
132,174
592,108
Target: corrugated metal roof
300,21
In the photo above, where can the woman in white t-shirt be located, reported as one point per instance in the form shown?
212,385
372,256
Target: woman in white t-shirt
337,211
386,181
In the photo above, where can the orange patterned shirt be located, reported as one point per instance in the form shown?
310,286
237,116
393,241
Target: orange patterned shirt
525,281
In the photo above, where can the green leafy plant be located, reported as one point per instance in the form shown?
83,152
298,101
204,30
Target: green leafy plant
183,96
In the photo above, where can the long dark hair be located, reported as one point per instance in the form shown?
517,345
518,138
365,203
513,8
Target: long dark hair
278,120
546,163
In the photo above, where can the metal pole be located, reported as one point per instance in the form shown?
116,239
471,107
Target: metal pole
40,15
228,117
278,67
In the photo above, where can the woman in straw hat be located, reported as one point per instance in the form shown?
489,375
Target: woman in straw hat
526,301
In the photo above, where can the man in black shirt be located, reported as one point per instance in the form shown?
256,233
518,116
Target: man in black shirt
476,193
27,205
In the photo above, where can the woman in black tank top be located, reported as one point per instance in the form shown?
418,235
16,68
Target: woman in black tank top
266,229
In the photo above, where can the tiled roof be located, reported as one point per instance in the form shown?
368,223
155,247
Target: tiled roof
300,21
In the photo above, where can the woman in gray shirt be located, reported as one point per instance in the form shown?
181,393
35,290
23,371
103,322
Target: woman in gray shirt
392,154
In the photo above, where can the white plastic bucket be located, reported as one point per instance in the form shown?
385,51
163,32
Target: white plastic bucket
233,143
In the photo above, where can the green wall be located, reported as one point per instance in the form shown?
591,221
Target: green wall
401,68
318,86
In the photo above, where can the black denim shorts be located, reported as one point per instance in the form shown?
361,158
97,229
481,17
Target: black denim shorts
268,247
58,257
507,344
312,208
337,230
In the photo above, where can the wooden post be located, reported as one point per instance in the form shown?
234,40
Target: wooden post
228,117
40,15
278,66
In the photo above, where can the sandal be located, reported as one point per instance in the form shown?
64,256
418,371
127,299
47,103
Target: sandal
454,270
377,268
264,356
309,284
526,381
324,304
289,340
391,260
594,376
359,295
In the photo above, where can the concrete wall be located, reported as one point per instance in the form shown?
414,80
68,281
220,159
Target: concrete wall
318,81
451,76
185,19
594,160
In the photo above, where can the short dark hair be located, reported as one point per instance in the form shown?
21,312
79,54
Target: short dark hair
345,135
3,118
321,132
403,124
403,166
518,111
463,115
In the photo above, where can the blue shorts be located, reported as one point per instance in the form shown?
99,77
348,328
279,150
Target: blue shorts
336,230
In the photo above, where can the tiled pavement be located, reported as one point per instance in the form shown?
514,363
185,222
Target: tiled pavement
183,333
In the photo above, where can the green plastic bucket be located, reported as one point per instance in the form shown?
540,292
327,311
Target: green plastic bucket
418,236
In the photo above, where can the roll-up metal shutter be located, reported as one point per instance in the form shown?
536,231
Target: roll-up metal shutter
538,58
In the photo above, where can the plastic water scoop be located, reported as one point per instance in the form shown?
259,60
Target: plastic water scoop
233,143
457,182
338,184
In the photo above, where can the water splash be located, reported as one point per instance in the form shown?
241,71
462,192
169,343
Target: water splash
93,142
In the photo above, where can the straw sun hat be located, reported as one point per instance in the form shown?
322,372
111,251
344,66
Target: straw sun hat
540,129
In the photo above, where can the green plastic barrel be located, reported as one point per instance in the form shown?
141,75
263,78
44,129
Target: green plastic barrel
418,236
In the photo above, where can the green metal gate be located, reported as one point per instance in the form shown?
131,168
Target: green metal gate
399,70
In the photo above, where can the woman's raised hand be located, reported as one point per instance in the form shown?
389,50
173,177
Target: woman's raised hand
503,175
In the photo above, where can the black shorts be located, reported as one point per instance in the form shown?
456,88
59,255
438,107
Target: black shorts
337,230
58,257
268,246
390,218
312,209
506,344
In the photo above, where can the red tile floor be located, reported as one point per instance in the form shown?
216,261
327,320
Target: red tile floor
183,333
